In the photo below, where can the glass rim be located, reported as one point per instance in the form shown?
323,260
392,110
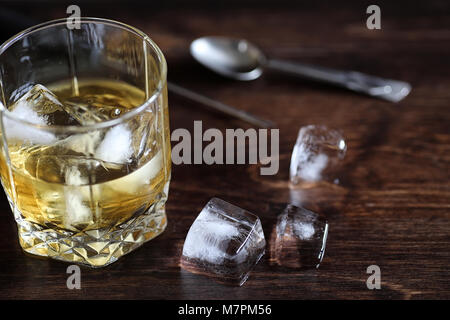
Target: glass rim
99,125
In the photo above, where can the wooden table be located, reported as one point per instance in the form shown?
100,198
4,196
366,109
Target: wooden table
392,206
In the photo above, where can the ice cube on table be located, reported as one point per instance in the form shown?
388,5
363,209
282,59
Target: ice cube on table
224,242
316,154
301,237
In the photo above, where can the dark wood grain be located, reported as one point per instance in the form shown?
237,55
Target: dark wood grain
392,206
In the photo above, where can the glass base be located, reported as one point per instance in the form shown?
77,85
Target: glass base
94,248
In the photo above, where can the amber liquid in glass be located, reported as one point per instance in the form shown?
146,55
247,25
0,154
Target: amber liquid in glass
73,200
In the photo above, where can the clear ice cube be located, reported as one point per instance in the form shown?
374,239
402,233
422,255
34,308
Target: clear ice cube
116,145
43,107
301,237
85,114
77,210
97,154
316,154
146,137
224,242
89,110
138,179
35,106
83,143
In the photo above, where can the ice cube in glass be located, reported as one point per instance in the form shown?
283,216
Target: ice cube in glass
40,106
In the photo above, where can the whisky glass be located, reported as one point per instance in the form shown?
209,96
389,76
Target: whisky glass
84,135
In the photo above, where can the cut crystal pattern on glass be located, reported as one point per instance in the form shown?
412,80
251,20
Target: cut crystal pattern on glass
301,237
97,247
316,154
224,242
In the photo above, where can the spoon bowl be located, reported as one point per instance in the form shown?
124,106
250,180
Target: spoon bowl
233,58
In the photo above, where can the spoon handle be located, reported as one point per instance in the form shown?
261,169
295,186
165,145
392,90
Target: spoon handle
219,106
387,89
